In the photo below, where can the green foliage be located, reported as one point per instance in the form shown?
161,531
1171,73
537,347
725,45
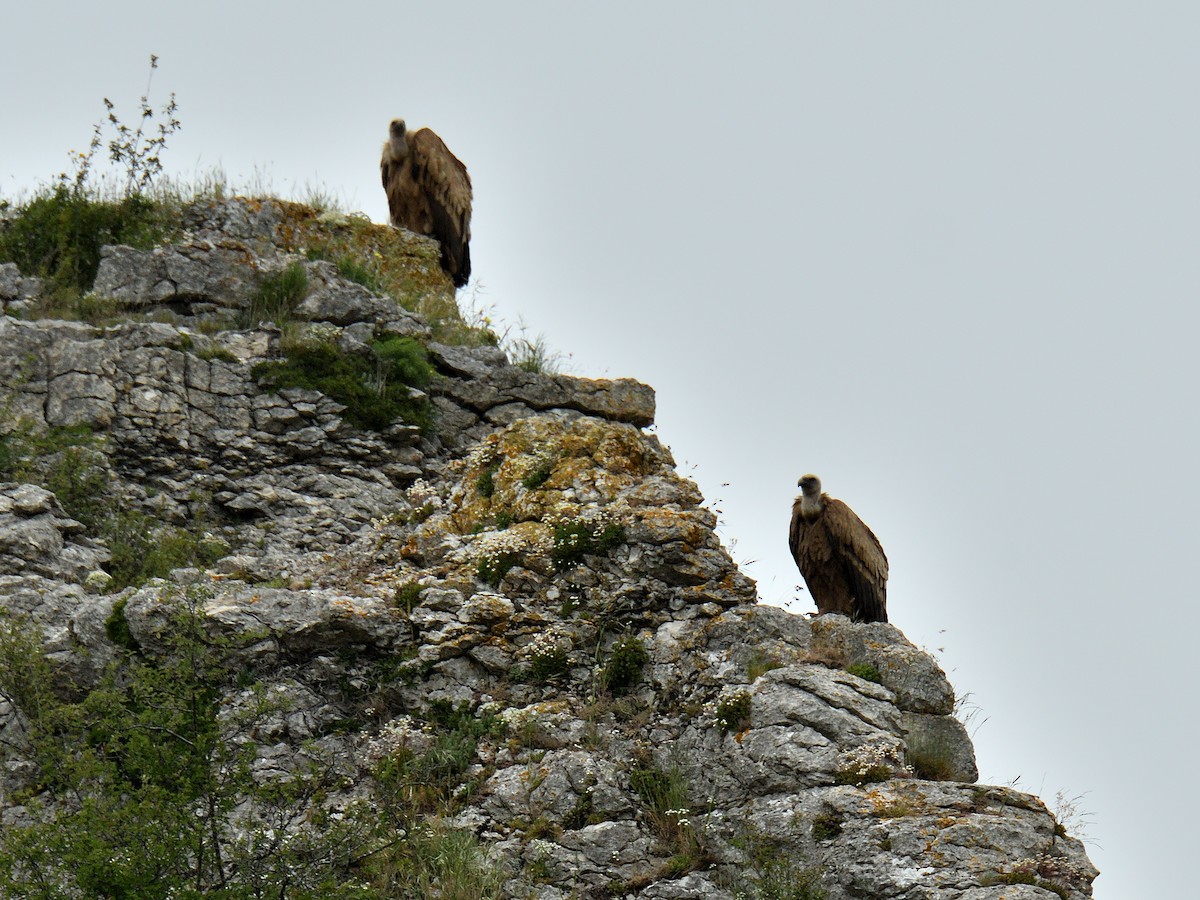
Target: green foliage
65,460
664,795
760,663
408,595
539,474
142,549
826,826
436,861
547,662
485,484
277,296
492,568
116,626
623,670
58,234
777,874
414,784
373,387
70,462
576,539
217,353
137,782
733,711
865,671
353,270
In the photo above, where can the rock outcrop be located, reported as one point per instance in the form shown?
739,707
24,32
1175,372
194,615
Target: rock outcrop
531,560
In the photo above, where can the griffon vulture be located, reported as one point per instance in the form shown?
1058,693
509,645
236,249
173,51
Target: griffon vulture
840,558
429,192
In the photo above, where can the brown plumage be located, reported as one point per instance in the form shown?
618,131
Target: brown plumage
839,556
429,192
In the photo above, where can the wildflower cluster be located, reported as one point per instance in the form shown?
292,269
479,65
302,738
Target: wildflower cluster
733,712
400,734
496,552
547,658
876,761
597,533
539,471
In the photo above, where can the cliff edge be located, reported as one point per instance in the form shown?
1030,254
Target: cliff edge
311,588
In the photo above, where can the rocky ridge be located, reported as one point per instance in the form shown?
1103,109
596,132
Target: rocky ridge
531,558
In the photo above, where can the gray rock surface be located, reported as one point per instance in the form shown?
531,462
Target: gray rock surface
533,558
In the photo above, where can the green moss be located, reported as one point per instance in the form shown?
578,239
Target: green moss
373,387
539,475
865,671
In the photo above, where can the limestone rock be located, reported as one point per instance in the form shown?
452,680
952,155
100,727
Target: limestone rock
524,604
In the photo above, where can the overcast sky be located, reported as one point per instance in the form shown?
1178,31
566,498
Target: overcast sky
944,255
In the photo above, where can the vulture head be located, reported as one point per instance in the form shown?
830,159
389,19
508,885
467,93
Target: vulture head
396,137
810,494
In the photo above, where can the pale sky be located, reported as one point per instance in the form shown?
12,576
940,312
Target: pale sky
944,255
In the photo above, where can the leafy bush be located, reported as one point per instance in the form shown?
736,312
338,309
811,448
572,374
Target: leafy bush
624,667
373,388
142,549
138,782
58,234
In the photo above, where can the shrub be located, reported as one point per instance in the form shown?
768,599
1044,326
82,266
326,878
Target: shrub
142,783
493,567
865,671
57,236
573,540
547,659
408,595
733,712
826,826
624,667
664,795
778,876
116,626
142,549
373,388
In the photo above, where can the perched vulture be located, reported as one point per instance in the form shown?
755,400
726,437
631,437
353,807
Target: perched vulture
840,558
429,192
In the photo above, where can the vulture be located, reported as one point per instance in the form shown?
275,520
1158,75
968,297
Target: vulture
429,192
839,556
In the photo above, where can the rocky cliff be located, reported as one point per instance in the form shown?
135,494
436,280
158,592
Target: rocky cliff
498,625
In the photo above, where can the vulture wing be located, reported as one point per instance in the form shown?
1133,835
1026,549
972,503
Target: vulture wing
444,182
866,565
